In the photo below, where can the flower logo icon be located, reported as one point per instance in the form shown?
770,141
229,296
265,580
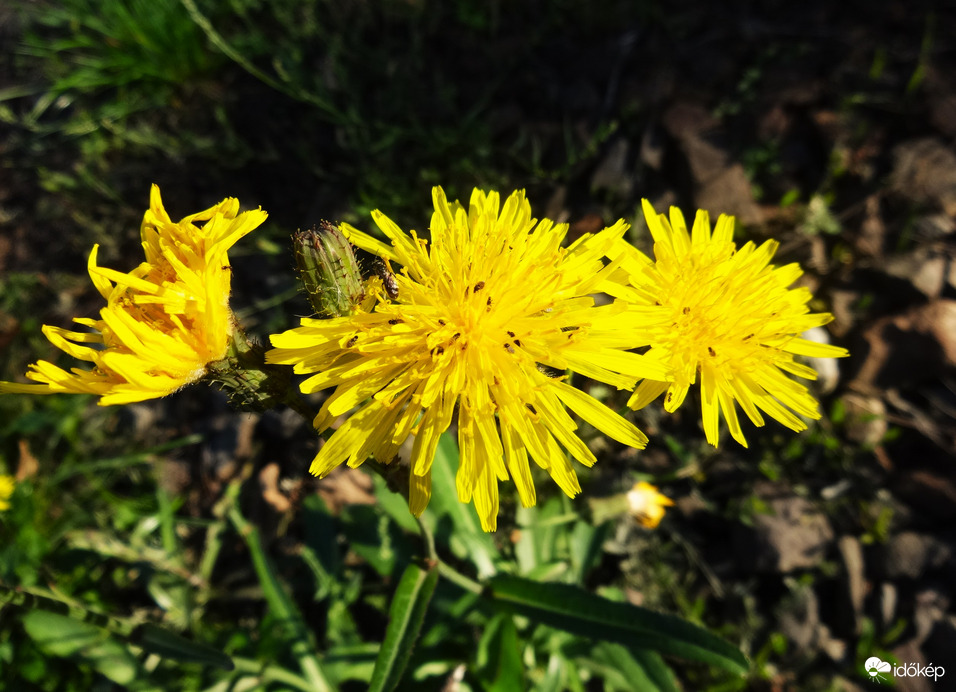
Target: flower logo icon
875,668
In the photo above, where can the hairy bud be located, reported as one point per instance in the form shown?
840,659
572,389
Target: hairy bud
328,270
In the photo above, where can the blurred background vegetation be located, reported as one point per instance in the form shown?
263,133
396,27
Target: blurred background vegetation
829,126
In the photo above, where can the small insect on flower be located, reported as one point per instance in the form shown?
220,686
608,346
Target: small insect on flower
388,279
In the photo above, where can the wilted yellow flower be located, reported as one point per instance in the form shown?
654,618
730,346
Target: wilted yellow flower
478,310
647,505
164,321
732,319
7,486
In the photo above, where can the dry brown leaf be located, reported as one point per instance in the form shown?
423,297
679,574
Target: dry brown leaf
28,465
269,482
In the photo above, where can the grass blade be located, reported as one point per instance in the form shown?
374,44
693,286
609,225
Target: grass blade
280,603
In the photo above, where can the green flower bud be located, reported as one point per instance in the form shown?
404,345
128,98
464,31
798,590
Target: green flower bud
328,270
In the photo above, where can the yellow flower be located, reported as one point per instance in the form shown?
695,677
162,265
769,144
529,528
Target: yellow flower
732,318
492,297
163,322
647,505
7,486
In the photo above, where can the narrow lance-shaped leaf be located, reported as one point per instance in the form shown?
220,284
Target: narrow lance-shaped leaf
630,670
59,635
580,612
499,656
168,644
406,615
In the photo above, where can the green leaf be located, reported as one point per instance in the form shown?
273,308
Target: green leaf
580,612
351,662
405,622
627,670
394,505
59,635
656,669
542,528
499,655
466,538
320,533
168,644
586,543
375,538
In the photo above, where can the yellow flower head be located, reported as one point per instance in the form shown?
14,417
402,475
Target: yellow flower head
647,505
7,486
732,318
164,321
492,297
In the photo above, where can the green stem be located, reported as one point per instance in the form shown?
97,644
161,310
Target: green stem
217,40
429,540
456,577
444,569
279,602
267,673
55,602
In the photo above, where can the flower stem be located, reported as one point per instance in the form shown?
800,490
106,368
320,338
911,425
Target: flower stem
459,579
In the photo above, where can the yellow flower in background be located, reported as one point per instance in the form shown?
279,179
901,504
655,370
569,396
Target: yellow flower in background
478,309
7,486
647,505
732,319
164,321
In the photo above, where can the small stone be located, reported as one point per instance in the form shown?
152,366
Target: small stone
269,484
794,536
925,268
799,619
911,347
865,418
933,226
852,554
888,599
930,607
909,554
835,649
907,653
925,171
842,303
721,185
